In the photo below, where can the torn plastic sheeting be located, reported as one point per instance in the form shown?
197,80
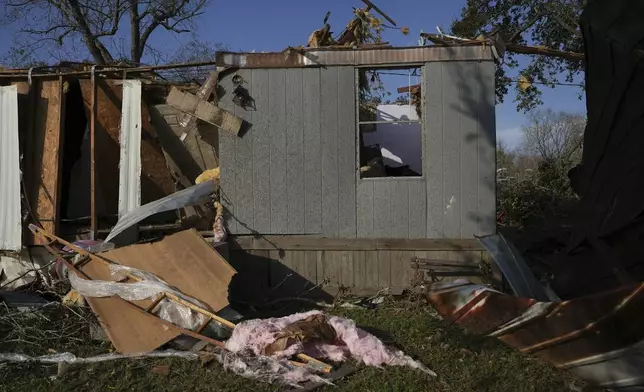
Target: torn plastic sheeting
73,359
266,369
149,286
255,335
197,194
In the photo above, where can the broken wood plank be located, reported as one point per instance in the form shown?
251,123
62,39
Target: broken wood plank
206,111
187,121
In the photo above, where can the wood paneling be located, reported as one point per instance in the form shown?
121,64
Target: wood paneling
361,272
45,152
319,243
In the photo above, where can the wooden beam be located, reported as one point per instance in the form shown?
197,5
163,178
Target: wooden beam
206,111
187,121
318,243
378,10
521,49
92,160
406,89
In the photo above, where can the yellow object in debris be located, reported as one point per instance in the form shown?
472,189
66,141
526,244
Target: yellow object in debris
210,174
73,298
219,208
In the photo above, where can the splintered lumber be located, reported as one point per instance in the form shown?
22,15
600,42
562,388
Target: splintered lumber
204,93
205,111
371,5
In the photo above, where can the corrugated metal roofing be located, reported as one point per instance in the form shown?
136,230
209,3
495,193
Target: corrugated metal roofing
358,57
10,224
130,141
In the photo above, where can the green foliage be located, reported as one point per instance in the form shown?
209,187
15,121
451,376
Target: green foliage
551,24
535,197
533,187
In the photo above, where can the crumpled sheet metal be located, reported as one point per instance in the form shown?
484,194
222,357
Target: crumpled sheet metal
351,342
150,286
514,268
599,337
73,359
197,194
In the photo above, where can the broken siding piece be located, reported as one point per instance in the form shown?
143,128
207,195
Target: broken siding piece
130,141
206,111
10,224
156,178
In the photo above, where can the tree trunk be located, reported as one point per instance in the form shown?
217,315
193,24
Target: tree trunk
136,52
101,55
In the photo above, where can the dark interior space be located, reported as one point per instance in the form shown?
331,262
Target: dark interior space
75,127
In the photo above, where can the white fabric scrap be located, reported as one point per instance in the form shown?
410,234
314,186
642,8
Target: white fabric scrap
255,335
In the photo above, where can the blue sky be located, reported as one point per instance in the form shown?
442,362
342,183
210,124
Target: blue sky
264,25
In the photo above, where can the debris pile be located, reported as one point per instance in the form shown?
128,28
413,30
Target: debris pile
173,293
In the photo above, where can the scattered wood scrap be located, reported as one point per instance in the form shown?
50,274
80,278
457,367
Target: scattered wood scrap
203,110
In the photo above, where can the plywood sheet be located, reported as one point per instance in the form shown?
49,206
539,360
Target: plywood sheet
131,330
46,153
184,260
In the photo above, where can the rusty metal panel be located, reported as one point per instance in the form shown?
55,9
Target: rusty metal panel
357,57
597,336
10,224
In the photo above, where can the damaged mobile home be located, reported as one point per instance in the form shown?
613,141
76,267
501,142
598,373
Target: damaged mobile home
286,131
278,173
289,173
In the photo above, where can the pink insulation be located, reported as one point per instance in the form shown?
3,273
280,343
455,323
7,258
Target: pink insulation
352,342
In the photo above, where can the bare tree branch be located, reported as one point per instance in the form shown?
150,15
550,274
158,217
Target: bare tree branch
96,23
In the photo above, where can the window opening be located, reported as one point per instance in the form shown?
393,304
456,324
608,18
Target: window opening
389,122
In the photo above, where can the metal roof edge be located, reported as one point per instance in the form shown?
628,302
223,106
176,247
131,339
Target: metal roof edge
321,57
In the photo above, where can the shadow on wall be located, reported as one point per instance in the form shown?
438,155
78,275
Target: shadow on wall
476,101
261,279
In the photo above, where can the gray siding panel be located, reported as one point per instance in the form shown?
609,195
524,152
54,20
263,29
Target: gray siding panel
228,167
433,152
260,133
469,115
399,207
295,151
244,206
486,149
312,155
277,125
329,150
295,171
346,152
452,142
417,209
381,208
365,208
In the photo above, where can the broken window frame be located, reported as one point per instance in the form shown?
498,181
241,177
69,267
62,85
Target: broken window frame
390,67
